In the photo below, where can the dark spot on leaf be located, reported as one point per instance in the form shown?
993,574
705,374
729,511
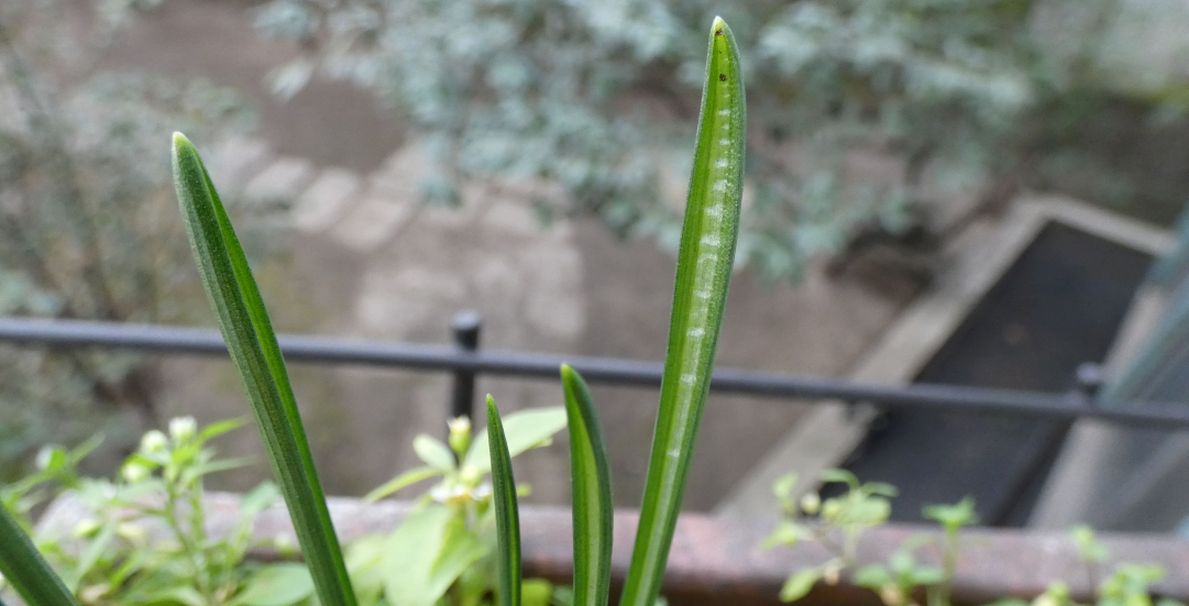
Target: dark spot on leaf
718,32
722,77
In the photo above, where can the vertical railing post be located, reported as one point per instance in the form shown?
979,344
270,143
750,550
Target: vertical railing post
1087,382
465,326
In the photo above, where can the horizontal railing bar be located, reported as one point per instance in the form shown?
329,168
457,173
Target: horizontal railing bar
620,371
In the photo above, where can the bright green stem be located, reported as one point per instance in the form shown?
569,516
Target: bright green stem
248,333
590,484
507,516
704,263
24,568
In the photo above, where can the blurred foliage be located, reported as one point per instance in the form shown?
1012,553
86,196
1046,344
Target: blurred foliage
595,97
88,227
861,111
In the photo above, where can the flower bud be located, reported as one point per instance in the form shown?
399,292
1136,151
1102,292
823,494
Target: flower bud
153,443
460,435
284,545
134,472
181,429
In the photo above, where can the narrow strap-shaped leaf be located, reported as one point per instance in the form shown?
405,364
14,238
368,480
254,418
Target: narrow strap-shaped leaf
704,261
252,344
507,516
590,486
24,568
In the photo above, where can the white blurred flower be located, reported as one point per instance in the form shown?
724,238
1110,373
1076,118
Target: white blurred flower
153,442
134,472
182,429
460,434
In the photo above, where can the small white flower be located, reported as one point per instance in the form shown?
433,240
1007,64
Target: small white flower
460,435
153,442
182,429
283,544
134,472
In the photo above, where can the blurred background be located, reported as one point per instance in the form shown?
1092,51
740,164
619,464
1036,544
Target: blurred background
973,191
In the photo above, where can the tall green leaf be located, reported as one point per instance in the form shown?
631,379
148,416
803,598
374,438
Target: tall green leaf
24,568
707,251
248,333
590,485
507,517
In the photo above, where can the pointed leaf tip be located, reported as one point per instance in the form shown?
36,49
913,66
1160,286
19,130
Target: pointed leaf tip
719,25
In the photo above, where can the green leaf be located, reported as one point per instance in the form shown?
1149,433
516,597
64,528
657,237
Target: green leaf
839,476
410,556
507,518
277,585
872,576
799,585
538,592
23,567
706,254
461,548
433,452
952,517
258,499
219,428
590,484
401,481
787,533
524,429
246,328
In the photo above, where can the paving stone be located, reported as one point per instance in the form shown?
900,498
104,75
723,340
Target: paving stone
512,218
326,200
284,179
233,161
372,223
399,177
554,298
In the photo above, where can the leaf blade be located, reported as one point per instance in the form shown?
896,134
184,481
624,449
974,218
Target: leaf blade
507,518
25,569
400,482
706,254
590,494
251,342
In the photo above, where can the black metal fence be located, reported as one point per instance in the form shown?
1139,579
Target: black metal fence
466,361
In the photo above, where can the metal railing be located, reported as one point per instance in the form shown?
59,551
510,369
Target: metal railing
466,361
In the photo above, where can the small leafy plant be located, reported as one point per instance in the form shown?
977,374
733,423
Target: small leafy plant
705,259
108,555
838,524
142,538
842,521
